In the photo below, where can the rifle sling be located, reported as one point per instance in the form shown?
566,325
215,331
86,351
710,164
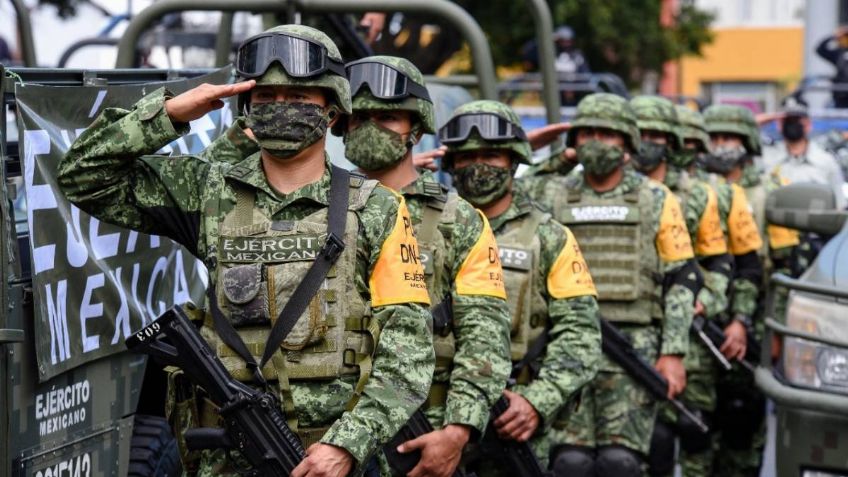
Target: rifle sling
306,289
536,348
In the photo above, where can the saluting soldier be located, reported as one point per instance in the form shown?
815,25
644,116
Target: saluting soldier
555,337
358,359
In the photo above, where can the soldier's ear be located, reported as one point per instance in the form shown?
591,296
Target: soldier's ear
333,114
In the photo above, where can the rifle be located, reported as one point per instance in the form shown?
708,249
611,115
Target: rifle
518,455
620,350
254,422
712,342
415,427
715,334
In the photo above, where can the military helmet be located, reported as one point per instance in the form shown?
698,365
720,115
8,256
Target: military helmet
658,114
726,118
401,79
308,57
692,127
605,110
467,124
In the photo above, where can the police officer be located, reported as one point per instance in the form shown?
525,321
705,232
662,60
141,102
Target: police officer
664,156
555,339
637,245
741,408
259,225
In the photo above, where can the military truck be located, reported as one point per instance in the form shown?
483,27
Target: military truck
809,380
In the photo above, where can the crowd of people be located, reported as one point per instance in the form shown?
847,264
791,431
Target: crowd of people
449,301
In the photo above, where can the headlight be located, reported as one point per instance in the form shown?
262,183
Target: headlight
819,473
810,364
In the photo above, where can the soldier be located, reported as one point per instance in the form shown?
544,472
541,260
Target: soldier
666,152
741,407
636,243
555,339
259,225
391,110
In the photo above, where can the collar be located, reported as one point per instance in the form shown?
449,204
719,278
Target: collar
520,206
250,172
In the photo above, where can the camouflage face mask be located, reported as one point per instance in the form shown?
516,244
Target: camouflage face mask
650,156
724,158
683,158
599,158
284,129
373,147
481,184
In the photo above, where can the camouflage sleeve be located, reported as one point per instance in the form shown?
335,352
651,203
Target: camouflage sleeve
108,173
482,363
679,310
403,360
232,146
574,347
714,293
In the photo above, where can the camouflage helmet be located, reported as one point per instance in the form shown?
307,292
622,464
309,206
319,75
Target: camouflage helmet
726,118
692,127
657,114
364,100
338,85
519,148
605,110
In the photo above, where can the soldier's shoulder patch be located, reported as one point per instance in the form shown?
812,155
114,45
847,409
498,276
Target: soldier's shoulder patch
673,242
569,276
710,239
398,275
481,272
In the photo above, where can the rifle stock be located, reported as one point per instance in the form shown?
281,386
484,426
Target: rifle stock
254,421
518,455
620,350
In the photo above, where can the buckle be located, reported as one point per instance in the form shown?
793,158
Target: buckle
333,247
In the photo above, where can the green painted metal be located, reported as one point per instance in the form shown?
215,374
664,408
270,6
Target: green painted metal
799,398
11,335
224,41
543,21
452,13
25,33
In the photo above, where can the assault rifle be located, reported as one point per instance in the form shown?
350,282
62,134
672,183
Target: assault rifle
713,343
713,332
518,455
415,427
254,423
620,350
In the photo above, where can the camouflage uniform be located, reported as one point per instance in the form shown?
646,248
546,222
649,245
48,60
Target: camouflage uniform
741,418
631,236
546,293
355,400
700,204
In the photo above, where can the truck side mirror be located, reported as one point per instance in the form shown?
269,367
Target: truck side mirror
806,207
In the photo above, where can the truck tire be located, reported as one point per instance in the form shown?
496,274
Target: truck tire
153,449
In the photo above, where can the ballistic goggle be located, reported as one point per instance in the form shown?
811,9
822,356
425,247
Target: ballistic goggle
383,81
489,126
301,58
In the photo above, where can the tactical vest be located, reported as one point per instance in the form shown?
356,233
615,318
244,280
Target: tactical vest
259,264
434,234
617,238
520,253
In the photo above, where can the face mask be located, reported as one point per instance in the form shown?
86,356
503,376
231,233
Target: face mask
793,129
724,158
598,158
372,147
682,158
285,129
481,184
650,156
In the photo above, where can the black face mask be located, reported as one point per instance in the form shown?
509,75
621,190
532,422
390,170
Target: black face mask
793,129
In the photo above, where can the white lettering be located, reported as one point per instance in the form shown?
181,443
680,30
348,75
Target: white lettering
596,213
122,317
89,310
103,246
58,319
159,269
39,197
181,290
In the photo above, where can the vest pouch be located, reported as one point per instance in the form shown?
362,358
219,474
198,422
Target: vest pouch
311,327
246,294
181,412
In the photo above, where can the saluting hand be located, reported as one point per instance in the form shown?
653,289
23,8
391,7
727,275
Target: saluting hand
199,100
324,460
519,421
545,135
427,159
